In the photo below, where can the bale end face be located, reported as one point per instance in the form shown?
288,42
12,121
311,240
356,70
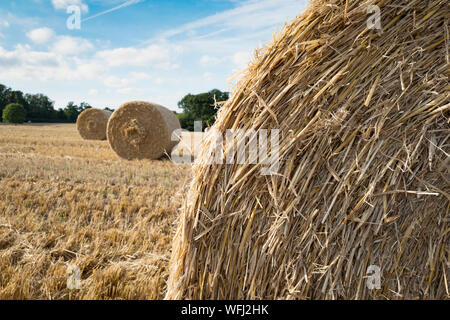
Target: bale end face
142,130
92,123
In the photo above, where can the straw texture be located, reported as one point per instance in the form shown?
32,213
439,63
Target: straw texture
91,124
142,130
364,174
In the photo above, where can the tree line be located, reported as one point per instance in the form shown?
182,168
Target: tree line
39,107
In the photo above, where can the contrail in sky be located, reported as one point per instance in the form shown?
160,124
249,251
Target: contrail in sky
123,5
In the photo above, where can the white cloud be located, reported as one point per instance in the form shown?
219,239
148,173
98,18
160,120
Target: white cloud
40,35
153,55
116,82
67,45
129,91
208,60
63,4
93,92
8,19
90,70
140,76
207,76
22,55
241,59
23,63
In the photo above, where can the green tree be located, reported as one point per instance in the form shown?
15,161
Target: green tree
41,108
8,96
3,100
185,121
84,106
200,107
72,111
16,96
14,113
61,115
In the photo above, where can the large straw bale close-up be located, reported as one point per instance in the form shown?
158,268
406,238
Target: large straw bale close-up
91,124
363,181
142,130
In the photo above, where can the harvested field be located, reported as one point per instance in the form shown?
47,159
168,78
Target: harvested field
67,201
349,200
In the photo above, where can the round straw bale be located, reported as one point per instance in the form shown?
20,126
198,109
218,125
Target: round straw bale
142,130
91,124
359,205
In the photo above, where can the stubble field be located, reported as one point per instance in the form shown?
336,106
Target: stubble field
66,202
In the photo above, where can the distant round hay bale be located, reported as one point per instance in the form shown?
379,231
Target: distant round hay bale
358,206
91,124
142,130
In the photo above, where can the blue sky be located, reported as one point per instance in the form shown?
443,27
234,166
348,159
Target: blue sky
151,50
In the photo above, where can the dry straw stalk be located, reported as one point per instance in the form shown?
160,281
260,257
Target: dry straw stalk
91,124
364,176
142,130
